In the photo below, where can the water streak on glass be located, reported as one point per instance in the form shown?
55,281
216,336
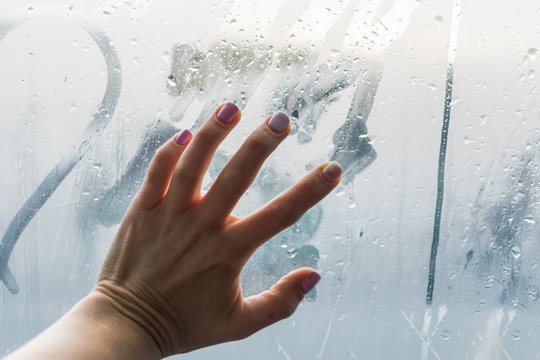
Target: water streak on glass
69,161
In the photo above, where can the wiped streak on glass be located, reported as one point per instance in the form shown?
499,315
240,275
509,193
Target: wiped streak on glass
57,175
438,209
440,177
442,150
440,183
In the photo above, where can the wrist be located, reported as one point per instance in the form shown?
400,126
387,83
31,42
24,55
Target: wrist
119,335
149,312
92,329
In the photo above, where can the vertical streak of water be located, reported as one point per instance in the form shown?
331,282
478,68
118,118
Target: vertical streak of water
442,151
440,183
440,175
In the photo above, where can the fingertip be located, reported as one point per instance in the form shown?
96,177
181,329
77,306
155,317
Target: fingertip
310,281
184,137
228,113
331,172
279,122
297,283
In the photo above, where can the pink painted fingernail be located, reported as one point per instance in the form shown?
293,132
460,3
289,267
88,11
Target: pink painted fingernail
227,113
310,281
332,172
184,137
279,122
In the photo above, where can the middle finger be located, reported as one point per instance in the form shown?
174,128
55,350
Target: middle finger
243,167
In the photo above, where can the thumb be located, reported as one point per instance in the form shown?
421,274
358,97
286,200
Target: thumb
278,303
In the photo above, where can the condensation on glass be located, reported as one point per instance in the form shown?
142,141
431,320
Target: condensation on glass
428,248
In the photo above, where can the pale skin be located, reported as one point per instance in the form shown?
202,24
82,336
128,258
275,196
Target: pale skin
171,281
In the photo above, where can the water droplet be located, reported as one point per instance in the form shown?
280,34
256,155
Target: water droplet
516,252
455,101
432,87
445,334
529,220
292,252
532,292
165,55
532,53
439,18
340,191
516,334
171,80
483,119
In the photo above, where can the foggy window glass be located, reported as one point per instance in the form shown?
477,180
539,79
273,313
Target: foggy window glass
428,249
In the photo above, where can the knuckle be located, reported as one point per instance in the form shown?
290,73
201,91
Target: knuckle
286,309
258,145
281,217
232,177
186,175
213,129
153,176
165,152
209,134
158,160
206,134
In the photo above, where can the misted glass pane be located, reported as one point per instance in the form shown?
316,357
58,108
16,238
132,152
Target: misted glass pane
429,247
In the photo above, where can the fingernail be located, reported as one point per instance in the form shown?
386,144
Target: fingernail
332,172
227,113
279,122
184,137
310,281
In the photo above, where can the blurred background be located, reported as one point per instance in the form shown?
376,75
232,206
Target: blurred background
426,104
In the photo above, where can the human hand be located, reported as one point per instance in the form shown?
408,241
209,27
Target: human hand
174,267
